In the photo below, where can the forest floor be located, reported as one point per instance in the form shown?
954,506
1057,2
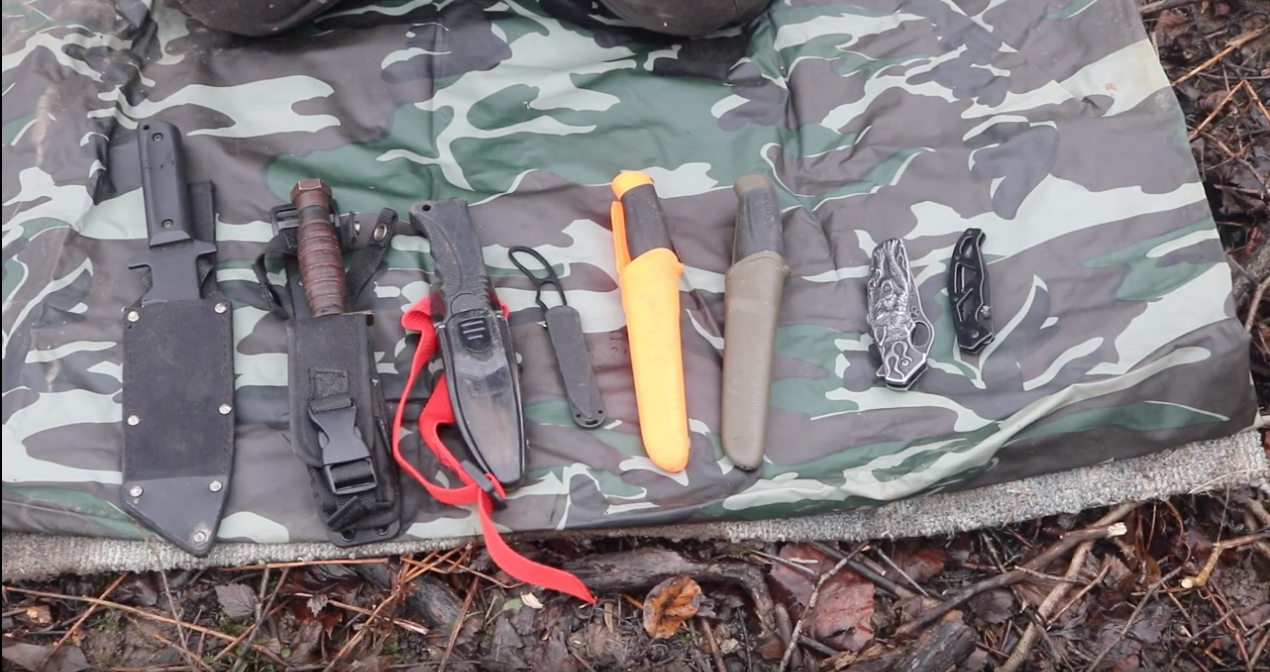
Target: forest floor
1179,584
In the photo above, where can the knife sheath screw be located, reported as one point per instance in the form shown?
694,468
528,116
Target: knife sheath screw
133,316
221,307
135,491
985,312
225,409
215,486
200,537
134,420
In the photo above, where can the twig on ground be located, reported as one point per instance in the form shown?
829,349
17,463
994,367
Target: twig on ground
1232,46
1256,508
859,568
1256,653
1255,305
458,623
811,608
1220,547
87,613
1133,617
1213,115
817,646
1083,591
889,561
715,653
399,622
786,630
398,590
1107,527
307,563
146,615
1256,100
265,612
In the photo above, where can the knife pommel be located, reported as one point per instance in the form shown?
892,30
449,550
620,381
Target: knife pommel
318,249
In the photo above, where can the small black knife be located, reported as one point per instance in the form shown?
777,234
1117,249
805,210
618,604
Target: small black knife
174,250
969,293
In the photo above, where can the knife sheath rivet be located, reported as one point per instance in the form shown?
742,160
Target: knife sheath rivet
133,316
200,537
134,420
215,486
222,307
225,409
135,491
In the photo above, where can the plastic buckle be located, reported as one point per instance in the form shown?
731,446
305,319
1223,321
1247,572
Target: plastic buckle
342,446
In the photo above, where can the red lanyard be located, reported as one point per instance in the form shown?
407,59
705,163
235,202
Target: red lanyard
438,411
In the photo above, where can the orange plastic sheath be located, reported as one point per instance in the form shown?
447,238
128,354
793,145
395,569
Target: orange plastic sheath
650,298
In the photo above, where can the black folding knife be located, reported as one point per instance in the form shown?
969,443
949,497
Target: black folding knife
969,293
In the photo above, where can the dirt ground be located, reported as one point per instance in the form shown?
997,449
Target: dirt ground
1181,584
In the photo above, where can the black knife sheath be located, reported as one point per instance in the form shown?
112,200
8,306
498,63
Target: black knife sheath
178,365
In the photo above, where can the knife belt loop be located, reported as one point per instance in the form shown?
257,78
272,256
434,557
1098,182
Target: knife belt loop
437,412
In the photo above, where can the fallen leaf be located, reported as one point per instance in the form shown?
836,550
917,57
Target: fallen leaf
305,643
920,564
976,662
844,609
39,613
1171,25
38,659
372,664
994,606
236,600
1118,575
1033,594
669,604
530,600
318,602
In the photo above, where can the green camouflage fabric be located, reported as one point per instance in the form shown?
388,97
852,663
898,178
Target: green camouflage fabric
1049,125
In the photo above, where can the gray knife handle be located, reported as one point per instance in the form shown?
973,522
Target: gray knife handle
752,302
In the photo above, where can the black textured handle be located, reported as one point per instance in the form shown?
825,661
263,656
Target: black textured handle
318,249
460,266
646,227
758,218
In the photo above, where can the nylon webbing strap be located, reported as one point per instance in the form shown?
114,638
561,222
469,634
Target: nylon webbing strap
437,413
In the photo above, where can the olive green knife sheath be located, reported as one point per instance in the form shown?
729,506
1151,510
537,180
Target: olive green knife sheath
752,301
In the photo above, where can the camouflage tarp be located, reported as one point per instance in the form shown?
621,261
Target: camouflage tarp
1049,125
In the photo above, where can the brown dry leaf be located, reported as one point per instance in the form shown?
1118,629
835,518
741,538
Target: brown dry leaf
844,609
1171,25
317,602
236,600
1033,594
38,659
305,643
669,604
994,606
921,564
39,613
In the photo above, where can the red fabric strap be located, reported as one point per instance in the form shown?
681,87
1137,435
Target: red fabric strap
438,411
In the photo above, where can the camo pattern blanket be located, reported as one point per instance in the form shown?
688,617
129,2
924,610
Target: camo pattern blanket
1049,125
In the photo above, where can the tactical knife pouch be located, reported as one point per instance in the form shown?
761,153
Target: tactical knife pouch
339,427
338,417
178,404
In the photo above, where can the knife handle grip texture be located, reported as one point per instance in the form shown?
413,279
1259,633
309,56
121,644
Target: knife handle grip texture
646,227
318,249
165,189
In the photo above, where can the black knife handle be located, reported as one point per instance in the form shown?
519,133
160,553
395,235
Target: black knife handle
165,189
460,266
969,292
645,222
318,249
758,218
